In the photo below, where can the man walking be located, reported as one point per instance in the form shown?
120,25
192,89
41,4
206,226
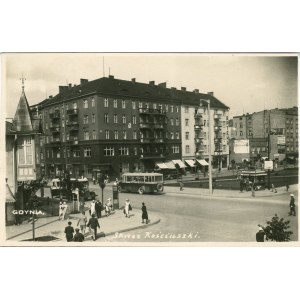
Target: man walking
69,230
93,224
82,222
292,206
144,214
98,208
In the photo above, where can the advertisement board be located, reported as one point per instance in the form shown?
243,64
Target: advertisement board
241,146
268,165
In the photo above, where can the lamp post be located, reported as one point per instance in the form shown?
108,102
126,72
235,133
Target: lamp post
209,146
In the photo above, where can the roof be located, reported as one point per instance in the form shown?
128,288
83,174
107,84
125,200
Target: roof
124,88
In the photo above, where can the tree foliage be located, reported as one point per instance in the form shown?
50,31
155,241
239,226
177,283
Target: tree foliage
277,229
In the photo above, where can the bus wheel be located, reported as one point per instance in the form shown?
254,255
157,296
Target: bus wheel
141,190
160,187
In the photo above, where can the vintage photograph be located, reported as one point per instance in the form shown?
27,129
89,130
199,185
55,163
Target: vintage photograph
151,149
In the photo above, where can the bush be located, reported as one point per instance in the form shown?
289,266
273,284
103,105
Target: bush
277,230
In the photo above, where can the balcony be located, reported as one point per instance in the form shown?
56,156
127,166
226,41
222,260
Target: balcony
198,126
55,141
149,111
72,112
55,115
158,126
147,140
73,127
199,113
159,140
145,125
217,128
201,149
54,128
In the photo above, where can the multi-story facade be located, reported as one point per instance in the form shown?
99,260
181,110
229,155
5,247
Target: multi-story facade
276,127
115,126
198,134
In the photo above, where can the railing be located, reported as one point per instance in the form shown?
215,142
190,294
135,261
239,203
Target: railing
54,128
73,111
55,115
152,155
151,111
74,127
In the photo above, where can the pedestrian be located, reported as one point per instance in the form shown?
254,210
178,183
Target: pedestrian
108,207
93,224
287,187
181,185
127,208
93,208
78,237
241,185
65,210
292,206
94,180
260,235
144,214
98,208
61,212
82,222
69,230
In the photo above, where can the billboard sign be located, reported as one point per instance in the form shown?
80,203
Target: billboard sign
241,146
268,165
280,140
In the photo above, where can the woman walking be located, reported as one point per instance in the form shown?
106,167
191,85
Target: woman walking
127,208
144,214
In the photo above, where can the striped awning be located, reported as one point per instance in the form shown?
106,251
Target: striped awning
202,162
190,162
179,162
170,165
162,166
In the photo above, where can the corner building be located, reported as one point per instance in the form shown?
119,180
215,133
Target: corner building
113,126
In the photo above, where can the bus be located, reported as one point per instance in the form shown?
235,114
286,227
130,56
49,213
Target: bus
255,178
141,183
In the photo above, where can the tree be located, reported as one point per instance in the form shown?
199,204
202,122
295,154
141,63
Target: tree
277,230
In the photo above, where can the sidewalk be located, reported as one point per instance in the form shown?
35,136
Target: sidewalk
230,193
53,230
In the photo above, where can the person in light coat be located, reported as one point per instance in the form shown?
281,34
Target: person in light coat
127,208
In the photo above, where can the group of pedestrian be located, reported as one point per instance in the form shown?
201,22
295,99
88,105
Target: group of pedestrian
96,208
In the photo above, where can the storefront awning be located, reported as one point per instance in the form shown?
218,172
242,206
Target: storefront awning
202,162
179,162
170,165
162,166
190,162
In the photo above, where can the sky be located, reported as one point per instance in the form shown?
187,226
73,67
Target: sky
245,83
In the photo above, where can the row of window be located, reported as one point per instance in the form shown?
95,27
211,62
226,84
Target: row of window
205,147
107,151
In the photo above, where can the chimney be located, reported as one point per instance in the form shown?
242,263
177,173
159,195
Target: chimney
152,82
183,88
163,85
83,81
196,91
133,80
62,88
111,76
50,97
70,86
210,93
173,88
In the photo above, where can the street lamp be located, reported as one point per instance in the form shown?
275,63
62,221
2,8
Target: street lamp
209,145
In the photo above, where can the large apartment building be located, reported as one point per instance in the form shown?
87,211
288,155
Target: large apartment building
115,126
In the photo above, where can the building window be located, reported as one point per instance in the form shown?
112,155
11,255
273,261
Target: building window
85,104
74,105
68,152
124,119
115,119
241,133
186,122
123,151
115,103
172,121
46,125
107,134
94,134
224,148
133,105
133,119
63,137
135,150
177,135
177,121
93,118
123,104
172,108
134,135
154,105
177,109
93,102
62,123
175,149
140,104
187,135
186,109
76,153
187,149
106,118
67,136
85,119
87,152
25,151
105,102
167,107
86,136
109,151
116,133
172,135
124,134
